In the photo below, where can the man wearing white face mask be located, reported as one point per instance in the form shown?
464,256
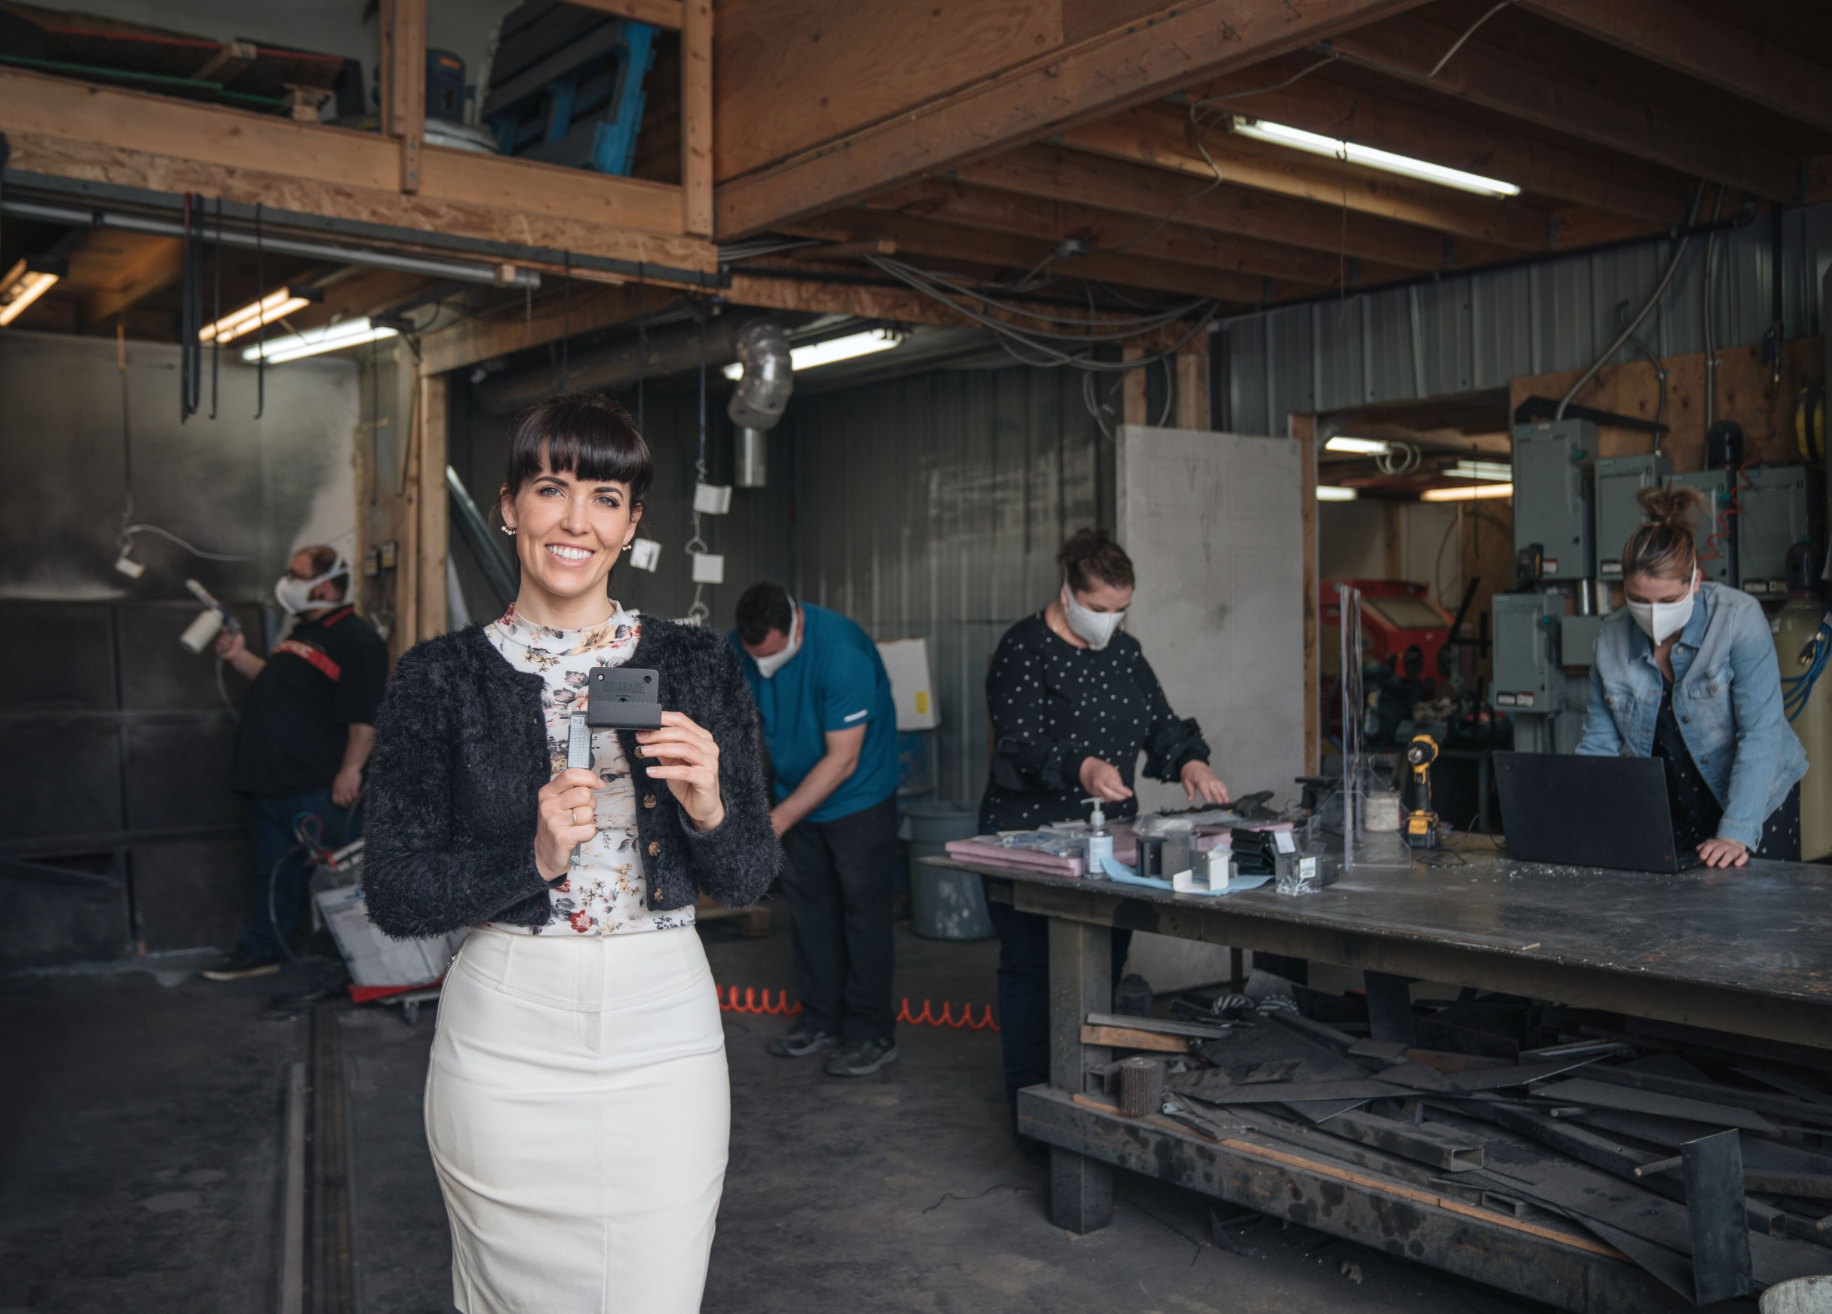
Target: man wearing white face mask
305,736
1686,672
830,723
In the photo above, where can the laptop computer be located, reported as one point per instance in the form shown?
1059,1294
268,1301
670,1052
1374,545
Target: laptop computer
1588,811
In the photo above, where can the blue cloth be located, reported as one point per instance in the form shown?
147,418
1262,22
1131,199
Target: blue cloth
835,682
272,821
1726,694
1118,871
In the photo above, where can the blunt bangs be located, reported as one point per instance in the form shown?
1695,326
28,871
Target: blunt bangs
584,434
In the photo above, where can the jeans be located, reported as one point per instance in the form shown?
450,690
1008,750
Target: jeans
1024,994
837,876
272,821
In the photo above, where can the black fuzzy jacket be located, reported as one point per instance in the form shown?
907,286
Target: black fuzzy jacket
461,753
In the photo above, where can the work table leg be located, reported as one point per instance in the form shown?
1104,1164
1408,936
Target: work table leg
1081,982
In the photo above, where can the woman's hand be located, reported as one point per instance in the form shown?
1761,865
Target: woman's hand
687,757
1200,782
1102,780
564,799
1723,853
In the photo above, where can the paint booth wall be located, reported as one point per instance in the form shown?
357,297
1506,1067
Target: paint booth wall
117,823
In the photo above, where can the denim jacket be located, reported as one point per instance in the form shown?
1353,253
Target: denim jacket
1726,695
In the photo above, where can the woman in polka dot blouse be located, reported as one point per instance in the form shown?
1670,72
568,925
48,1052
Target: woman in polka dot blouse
1073,704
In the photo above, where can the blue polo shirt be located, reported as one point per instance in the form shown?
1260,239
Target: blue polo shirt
836,681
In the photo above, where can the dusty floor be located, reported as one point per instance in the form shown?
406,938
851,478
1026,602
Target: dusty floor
140,1138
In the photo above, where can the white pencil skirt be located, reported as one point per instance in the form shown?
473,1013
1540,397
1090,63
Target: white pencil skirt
579,1113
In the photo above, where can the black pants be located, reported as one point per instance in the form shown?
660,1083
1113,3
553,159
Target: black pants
1781,831
1024,993
838,879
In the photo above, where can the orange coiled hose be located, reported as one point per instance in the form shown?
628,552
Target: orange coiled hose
732,1001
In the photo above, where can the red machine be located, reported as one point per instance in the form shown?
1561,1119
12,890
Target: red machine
1400,625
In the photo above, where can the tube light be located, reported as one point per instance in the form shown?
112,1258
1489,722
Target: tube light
1280,135
816,354
1468,493
275,305
313,342
1358,446
1336,493
26,281
1495,470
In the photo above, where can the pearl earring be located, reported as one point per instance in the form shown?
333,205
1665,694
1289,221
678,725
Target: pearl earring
509,530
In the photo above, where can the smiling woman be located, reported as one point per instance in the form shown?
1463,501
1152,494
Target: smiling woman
580,1007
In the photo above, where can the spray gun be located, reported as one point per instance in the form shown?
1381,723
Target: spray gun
213,619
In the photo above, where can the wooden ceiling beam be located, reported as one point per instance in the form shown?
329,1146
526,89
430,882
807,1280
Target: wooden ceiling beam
1533,164
1166,141
1687,40
1408,47
1141,61
513,325
120,270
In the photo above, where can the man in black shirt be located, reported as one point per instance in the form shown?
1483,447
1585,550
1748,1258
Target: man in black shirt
306,733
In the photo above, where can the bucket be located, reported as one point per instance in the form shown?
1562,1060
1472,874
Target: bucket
1806,1295
944,905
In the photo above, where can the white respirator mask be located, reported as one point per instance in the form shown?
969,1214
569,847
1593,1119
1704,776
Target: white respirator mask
1097,627
768,666
294,593
1658,620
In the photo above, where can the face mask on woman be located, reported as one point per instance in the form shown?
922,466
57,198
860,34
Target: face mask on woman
1097,627
295,594
768,666
1658,620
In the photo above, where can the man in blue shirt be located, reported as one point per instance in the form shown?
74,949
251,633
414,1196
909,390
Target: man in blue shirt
830,723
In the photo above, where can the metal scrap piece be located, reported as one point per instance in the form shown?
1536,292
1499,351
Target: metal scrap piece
1605,1095
1721,1266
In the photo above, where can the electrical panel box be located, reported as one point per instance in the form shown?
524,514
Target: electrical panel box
1772,501
1618,479
1577,640
1552,495
1527,675
1716,539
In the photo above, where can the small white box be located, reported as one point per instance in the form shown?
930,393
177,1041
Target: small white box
712,499
645,554
906,661
708,568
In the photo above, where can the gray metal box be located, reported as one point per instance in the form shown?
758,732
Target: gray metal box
1618,479
1552,494
1527,675
1716,539
1772,502
1577,640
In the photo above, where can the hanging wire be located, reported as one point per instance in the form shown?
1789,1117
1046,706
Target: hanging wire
566,324
1469,32
216,307
698,613
260,279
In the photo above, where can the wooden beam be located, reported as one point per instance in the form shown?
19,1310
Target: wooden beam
1541,167
513,326
1165,141
696,118
758,289
1408,47
1135,395
1139,62
227,62
662,13
1057,174
1111,232
1193,383
1688,40
121,270
431,543
404,48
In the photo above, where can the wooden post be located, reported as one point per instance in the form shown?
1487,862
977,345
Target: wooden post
407,573
1081,982
430,554
1303,429
1133,403
696,118
1193,383
404,82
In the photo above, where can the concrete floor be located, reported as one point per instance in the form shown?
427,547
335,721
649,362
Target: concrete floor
139,1144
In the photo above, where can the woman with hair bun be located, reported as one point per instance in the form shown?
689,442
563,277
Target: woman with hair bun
1686,672
1073,704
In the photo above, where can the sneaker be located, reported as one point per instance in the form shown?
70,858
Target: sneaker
241,964
862,1059
798,1042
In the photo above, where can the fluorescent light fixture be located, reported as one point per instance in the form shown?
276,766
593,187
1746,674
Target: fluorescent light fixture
1280,135
26,281
1357,446
1336,493
1496,470
817,354
312,342
275,305
1468,493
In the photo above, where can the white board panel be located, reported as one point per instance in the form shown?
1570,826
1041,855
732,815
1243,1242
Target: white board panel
1214,525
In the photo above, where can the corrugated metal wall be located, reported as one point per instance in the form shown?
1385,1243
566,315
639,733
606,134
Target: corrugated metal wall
1480,331
933,506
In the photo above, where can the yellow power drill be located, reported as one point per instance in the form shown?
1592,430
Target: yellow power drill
1422,822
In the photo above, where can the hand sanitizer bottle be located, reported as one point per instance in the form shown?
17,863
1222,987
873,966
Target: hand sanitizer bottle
1100,841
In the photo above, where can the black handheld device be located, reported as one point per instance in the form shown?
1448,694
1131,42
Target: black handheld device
624,697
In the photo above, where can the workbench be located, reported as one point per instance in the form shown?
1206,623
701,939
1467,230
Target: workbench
1745,950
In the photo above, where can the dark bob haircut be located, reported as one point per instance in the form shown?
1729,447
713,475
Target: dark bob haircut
585,434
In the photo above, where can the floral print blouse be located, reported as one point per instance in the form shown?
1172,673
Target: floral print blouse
604,894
